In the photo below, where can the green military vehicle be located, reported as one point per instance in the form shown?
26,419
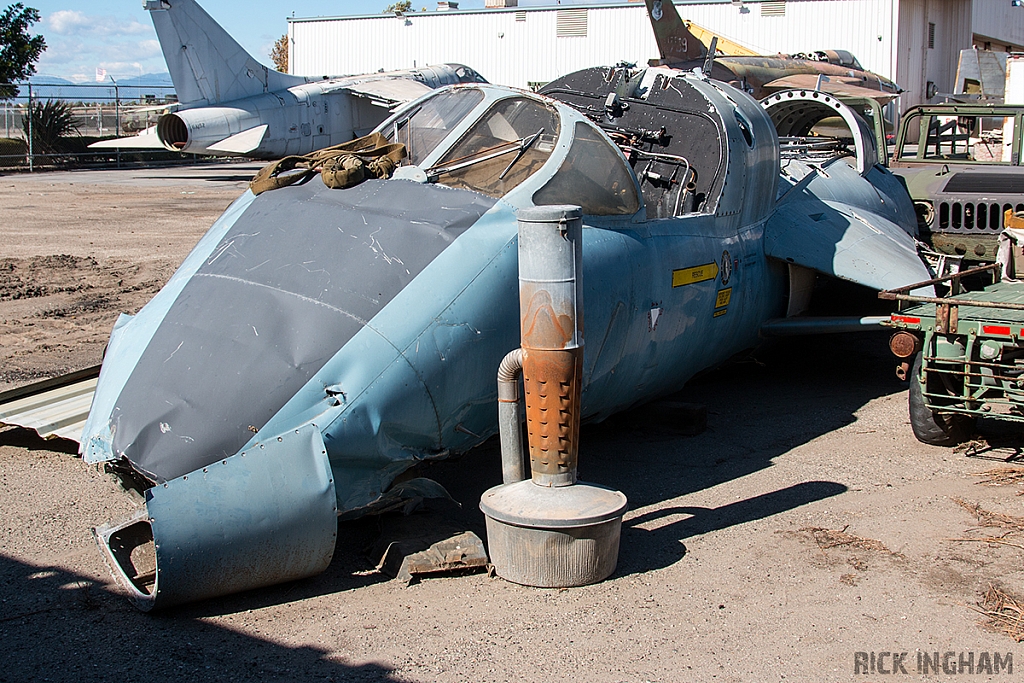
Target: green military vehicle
963,354
962,167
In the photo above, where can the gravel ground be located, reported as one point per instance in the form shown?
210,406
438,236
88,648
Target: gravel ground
804,526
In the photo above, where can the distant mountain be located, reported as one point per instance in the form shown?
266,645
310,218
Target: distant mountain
163,79
129,89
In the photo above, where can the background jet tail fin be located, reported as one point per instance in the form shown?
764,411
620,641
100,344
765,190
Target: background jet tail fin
207,65
675,42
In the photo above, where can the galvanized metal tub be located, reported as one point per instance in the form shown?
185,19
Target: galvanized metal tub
555,537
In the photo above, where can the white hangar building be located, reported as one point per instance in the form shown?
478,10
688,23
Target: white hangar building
914,42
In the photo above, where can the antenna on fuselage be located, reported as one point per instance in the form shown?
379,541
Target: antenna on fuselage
709,60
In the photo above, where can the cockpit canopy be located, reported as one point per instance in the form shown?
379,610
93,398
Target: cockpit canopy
514,146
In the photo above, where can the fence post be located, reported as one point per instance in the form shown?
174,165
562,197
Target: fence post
117,120
31,153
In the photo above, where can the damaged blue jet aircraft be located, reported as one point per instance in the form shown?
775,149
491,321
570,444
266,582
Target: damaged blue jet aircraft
319,342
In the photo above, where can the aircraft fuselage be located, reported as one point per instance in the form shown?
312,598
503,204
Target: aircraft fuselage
348,334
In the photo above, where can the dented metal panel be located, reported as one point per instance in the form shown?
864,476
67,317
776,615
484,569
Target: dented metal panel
265,309
263,516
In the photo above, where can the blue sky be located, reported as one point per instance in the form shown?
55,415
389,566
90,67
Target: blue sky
118,35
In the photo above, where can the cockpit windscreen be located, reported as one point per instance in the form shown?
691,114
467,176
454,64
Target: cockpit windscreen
423,129
509,143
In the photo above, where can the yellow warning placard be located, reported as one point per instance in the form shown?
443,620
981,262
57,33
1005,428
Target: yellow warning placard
688,276
724,295
720,312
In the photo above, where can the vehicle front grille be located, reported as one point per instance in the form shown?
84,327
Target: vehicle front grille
968,216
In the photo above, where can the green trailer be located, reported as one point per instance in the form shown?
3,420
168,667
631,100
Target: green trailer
963,354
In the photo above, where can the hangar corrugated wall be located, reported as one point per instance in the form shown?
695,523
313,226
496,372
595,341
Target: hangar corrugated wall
930,36
525,46
998,25
508,46
519,46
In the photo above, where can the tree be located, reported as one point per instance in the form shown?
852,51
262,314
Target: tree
18,50
401,6
279,54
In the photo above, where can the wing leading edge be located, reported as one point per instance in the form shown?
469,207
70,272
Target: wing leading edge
851,244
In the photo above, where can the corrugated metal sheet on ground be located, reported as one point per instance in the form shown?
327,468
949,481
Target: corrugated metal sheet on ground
58,412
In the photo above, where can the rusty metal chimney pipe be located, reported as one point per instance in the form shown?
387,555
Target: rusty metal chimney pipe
513,464
549,530
550,275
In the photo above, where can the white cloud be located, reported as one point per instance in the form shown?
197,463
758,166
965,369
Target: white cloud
78,43
68,22
131,51
60,52
149,48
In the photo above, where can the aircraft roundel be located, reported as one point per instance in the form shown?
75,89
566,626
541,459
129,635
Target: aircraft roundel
726,267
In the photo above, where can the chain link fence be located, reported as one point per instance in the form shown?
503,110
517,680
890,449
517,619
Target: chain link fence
89,113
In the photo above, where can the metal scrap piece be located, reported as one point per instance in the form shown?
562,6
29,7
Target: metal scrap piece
55,407
459,554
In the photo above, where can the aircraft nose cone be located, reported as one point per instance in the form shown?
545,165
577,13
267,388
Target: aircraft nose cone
296,276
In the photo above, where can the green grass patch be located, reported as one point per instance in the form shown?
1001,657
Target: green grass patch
12,152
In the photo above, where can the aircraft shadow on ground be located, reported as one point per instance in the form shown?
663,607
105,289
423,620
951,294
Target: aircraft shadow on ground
795,391
242,174
61,626
221,178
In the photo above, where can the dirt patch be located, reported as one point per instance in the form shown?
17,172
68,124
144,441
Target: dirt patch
44,276
56,311
88,246
838,538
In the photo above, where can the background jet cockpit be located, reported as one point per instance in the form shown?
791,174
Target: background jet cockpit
520,148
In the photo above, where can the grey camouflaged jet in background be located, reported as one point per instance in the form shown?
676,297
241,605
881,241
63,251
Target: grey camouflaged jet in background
231,105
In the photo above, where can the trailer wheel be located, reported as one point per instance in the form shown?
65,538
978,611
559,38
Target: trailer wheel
932,428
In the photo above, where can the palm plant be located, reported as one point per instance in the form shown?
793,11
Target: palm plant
52,120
